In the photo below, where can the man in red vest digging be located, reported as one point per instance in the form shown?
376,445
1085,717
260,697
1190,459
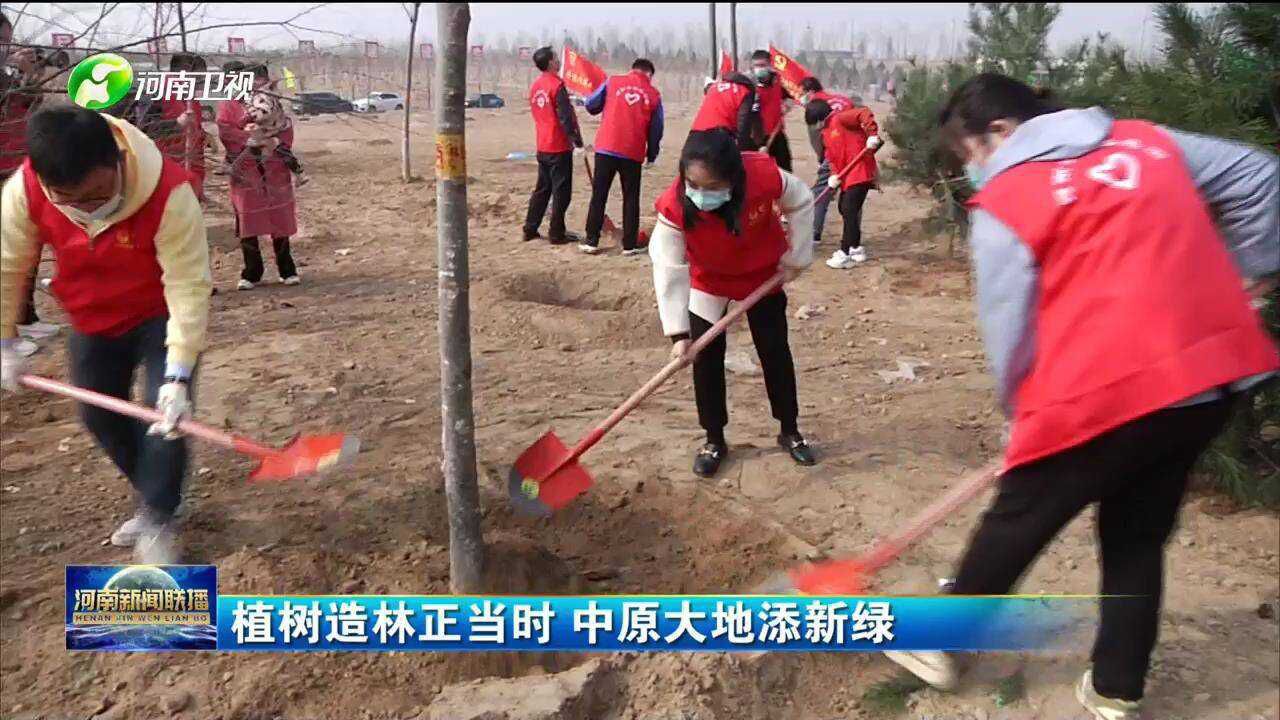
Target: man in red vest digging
771,94
630,133
133,276
558,139
731,103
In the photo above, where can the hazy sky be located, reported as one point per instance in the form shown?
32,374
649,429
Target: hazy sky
387,22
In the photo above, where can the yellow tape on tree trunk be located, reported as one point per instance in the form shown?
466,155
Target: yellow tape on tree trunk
451,157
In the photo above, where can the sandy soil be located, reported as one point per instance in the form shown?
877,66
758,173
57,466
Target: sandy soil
559,339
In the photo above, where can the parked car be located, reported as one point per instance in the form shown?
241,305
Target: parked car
485,100
379,102
315,103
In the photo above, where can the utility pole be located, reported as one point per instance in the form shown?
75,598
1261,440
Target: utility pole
406,171
715,50
733,33
458,430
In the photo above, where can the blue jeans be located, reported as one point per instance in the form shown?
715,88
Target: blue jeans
155,467
820,209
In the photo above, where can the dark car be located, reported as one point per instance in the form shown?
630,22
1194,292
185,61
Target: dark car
315,103
485,100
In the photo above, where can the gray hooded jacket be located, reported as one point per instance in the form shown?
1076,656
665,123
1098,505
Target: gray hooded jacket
1240,184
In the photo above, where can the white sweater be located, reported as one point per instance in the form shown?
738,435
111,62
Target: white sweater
676,299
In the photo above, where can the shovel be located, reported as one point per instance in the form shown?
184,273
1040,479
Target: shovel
302,456
850,576
547,476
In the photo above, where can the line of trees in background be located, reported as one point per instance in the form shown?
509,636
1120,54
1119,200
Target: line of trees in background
1218,72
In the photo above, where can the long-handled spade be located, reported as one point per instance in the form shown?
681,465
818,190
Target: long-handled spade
304,455
547,476
851,575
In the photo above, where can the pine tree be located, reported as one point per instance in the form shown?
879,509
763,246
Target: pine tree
1011,38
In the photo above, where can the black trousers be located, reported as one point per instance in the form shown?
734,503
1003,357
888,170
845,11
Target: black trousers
155,466
555,185
851,201
253,265
768,322
28,315
629,170
1137,474
780,151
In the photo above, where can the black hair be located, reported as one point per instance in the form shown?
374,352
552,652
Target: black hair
816,112
761,55
189,62
232,66
259,70
718,150
985,98
811,84
542,57
66,142
643,64
4,21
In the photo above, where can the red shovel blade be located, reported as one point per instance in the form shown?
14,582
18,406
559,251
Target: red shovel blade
642,240
536,486
837,577
307,455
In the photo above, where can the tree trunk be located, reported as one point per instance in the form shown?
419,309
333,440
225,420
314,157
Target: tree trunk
458,442
406,170
715,44
733,33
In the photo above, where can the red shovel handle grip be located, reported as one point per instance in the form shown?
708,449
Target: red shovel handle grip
146,414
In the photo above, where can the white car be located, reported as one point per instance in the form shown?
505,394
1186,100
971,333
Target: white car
380,102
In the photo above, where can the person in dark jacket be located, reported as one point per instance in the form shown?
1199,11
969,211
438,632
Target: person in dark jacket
559,139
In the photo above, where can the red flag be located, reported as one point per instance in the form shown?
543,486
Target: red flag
790,72
580,74
726,64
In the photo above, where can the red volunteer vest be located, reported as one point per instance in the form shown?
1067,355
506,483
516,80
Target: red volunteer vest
624,128
542,103
723,264
15,109
770,106
719,107
1140,305
838,103
844,136
111,284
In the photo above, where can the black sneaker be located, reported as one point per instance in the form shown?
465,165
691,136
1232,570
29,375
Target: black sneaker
799,450
708,459
535,235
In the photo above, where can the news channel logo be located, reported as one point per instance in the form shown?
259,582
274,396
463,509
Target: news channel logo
100,81
141,607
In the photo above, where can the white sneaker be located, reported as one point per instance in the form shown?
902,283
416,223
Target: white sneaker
936,668
25,348
46,283
39,330
634,251
244,285
291,280
589,249
858,254
127,534
1105,708
839,261
157,545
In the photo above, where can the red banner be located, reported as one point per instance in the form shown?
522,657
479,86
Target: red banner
157,46
63,39
371,49
526,52
235,45
790,72
726,64
477,51
307,47
427,51
580,74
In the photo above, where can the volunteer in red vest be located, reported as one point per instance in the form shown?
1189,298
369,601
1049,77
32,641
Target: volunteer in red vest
20,96
133,277
771,94
630,134
718,237
558,140
731,103
844,136
179,131
813,91
1114,263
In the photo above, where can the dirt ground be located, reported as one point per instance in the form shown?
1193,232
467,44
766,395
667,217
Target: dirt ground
559,339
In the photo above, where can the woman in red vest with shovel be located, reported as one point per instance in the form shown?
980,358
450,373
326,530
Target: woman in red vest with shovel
1117,318
718,237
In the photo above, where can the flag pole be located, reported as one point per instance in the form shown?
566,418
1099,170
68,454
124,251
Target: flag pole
733,33
715,56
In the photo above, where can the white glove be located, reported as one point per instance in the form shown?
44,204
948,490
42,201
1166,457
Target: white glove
874,142
708,82
172,402
834,182
12,366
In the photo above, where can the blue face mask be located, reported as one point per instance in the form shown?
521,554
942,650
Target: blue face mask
973,171
708,200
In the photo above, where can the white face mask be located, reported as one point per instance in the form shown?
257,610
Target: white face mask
101,213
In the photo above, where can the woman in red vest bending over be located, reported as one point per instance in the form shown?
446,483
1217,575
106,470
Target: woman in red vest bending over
1117,318
718,238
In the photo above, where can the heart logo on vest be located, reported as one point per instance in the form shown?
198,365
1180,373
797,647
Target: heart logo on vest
1119,171
632,97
